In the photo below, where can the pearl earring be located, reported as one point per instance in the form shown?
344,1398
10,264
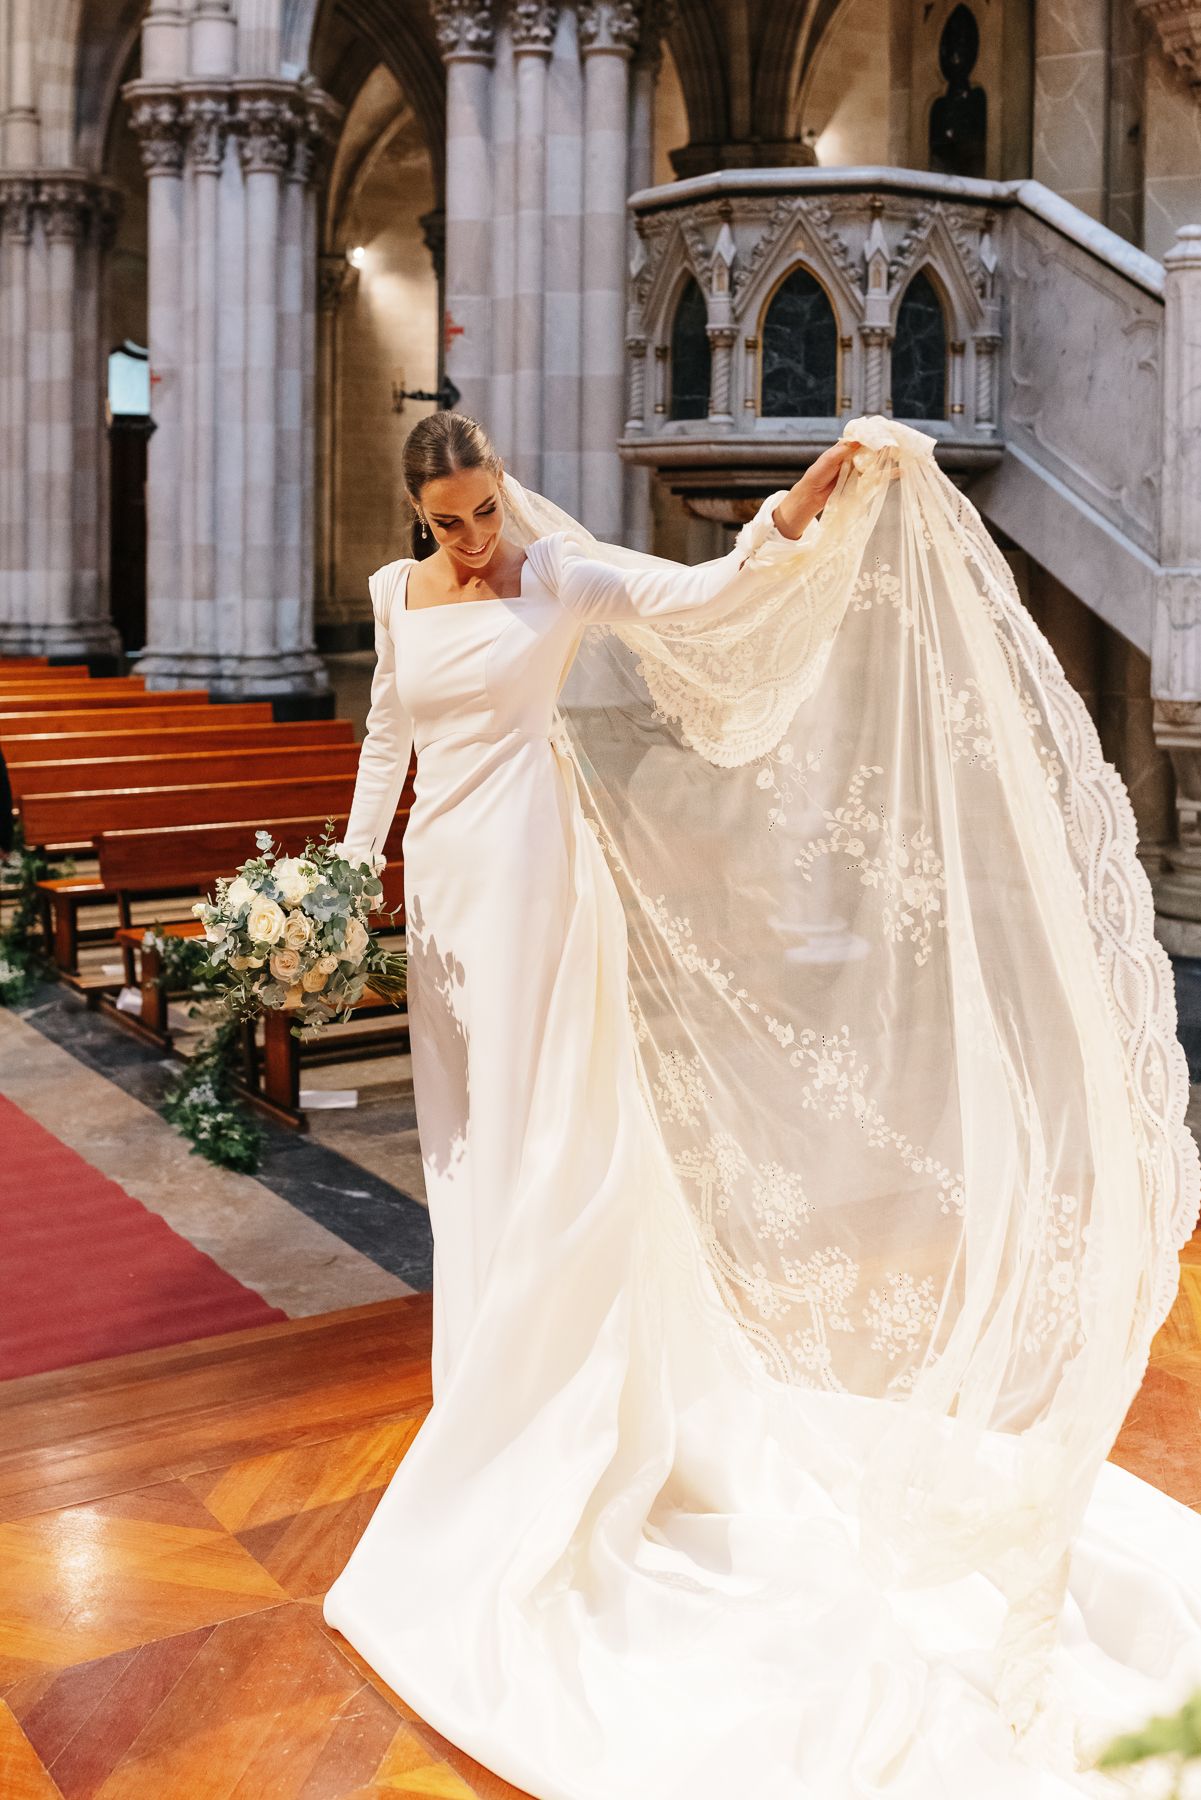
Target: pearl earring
425,530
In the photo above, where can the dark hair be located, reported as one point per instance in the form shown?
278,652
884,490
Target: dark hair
442,444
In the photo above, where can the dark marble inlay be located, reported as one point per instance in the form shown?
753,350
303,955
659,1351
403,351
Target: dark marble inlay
800,352
384,1222
691,358
919,354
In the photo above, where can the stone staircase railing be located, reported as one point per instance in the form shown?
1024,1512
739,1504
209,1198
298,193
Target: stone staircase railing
1072,383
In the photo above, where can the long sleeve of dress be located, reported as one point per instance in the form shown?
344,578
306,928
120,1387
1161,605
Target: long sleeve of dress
601,592
387,746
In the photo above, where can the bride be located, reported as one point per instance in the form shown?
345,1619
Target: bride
803,1129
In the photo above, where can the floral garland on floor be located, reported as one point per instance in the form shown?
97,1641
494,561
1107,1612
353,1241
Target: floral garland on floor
23,957
1175,1738
201,1102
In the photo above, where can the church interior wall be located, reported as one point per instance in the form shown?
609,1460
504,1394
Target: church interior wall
387,324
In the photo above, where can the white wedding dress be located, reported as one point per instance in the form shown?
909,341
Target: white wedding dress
614,1565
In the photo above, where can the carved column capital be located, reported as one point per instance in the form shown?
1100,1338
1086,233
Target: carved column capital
609,27
206,115
1177,24
318,118
533,25
658,17
156,115
18,201
65,206
266,122
465,29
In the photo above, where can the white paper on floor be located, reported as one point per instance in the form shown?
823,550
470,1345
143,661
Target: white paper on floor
129,1000
326,1099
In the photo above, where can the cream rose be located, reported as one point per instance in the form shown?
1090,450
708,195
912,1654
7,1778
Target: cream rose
246,962
294,996
314,979
239,892
294,879
265,921
297,931
355,941
285,965
327,964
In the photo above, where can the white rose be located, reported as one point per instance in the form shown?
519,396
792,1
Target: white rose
239,892
297,931
327,964
265,921
294,879
355,941
285,965
216,930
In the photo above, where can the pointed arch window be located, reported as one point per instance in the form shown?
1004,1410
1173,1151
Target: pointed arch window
919,353
800,351
691,356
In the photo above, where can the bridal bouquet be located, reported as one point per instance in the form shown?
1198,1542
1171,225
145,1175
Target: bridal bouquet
291,932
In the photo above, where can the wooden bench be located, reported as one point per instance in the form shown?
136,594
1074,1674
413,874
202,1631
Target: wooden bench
66,674
64,821
87,696
159,864
279,756
51,746
146,715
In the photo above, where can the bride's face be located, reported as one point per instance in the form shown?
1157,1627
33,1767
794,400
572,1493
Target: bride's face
465,514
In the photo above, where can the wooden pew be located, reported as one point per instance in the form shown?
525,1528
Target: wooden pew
279,758
140,865
144,716
66,674
67,820
50,746
63,821
24,662
90,695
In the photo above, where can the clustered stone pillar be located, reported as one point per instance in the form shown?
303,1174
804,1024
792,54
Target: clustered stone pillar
230,165
541,105
1176,643
55,229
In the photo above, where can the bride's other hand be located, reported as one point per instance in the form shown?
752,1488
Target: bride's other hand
808,496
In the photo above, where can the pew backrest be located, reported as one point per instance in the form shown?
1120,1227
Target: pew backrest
57,820
142,716
167,740
276,760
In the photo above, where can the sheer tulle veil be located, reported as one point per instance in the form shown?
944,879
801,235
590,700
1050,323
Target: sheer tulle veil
902,1019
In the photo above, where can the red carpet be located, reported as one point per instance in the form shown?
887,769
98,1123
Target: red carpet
86,1271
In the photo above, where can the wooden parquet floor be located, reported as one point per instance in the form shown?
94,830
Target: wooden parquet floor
170,1520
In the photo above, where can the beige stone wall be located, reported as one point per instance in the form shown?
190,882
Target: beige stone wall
843,108
387,333
124,300
1172,157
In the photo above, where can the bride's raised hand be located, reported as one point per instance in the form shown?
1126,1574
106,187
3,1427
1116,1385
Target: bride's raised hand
807,496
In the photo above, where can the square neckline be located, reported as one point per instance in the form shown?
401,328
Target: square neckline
453,605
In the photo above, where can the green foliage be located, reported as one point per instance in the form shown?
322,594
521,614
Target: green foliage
202,1106
23,958
1176,1736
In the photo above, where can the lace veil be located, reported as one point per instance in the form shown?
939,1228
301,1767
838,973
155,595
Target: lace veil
903,1022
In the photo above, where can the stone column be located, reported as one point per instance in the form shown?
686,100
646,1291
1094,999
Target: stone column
157,118
21,131
465,38
533,28
53,530
1176,641
18,195
565,227
608,38
656,18
229,575
206,116
334,277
